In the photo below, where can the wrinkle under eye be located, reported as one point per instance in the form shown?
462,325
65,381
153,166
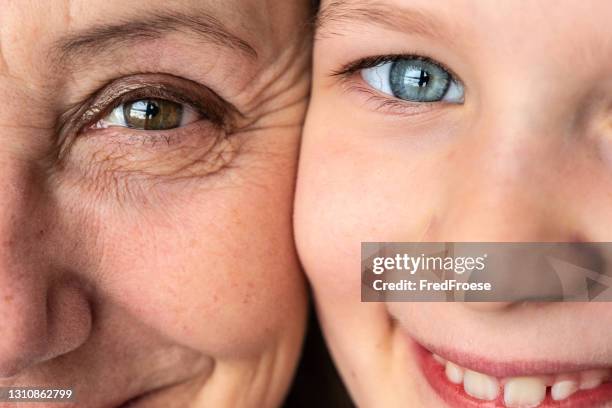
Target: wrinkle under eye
172,102
138,111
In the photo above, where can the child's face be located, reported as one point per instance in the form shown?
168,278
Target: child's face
515,144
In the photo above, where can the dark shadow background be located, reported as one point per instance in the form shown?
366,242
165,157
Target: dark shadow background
317,383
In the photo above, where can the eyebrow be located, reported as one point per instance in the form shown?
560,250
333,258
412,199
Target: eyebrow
151,26
340,15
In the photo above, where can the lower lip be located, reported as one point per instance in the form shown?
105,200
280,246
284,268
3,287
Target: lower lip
455,396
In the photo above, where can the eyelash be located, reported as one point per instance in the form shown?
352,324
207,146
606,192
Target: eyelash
369,62
386,103
78,121
154,93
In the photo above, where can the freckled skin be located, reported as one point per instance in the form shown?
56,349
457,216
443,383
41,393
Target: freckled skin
523,159
128,266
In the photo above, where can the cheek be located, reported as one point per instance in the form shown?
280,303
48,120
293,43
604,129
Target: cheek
351,192
199,271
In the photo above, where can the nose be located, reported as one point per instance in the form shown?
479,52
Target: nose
509,185
44,312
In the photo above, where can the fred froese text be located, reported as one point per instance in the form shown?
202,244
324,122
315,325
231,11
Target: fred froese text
425,285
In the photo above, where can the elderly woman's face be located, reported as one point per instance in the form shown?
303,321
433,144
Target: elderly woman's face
147,166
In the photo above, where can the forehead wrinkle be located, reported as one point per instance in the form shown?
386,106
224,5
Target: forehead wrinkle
342,15
152,26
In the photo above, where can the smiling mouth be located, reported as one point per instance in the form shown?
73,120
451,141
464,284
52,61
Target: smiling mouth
461,386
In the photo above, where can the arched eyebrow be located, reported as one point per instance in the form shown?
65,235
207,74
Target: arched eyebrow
340,16
151,26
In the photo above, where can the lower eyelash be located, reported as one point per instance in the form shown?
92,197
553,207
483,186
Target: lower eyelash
384,103
152,140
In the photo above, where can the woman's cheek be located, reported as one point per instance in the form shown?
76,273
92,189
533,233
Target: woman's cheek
189,264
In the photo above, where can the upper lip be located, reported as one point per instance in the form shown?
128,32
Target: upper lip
502,369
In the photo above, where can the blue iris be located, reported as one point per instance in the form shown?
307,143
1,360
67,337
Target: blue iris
418,80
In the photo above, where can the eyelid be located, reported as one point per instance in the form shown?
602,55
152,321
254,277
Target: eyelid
156,91
142,86
189,115
385,102
373,61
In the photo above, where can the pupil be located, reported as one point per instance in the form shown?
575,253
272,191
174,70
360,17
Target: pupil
143,110
423,78
152,110
152,114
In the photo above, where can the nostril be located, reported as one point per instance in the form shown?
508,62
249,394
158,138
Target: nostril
33,331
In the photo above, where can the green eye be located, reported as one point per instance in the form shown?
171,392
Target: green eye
414,79
150,114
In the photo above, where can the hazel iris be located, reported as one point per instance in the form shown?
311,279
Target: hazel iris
153,114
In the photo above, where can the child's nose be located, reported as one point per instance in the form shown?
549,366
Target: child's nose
512,179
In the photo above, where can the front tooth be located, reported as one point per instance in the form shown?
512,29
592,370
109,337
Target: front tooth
454,373
480,386
524,392
590,379
563,387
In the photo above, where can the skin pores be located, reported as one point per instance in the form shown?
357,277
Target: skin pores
140,262
522,156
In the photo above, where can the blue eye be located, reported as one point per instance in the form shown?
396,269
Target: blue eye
414,79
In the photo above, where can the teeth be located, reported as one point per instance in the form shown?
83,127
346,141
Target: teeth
480,386
454,373
564,386
524,392
592,378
